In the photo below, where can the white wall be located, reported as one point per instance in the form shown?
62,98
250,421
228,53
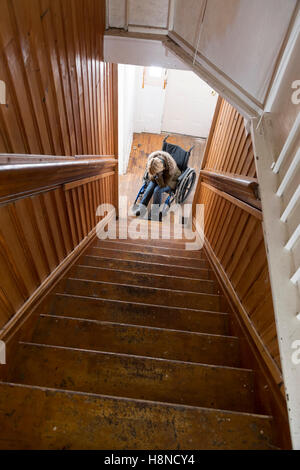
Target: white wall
149,105
116,13
138,14
146,52
189,106
239,41
186,106
242,38
127,90
150,13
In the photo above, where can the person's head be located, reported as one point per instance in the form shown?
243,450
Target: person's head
156,166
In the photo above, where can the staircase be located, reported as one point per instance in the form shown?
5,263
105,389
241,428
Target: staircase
133,351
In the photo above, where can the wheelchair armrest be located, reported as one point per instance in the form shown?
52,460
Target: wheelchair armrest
183,174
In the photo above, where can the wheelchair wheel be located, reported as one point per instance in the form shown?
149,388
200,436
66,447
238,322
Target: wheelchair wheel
186,186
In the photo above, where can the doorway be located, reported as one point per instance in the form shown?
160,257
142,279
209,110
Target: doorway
155,102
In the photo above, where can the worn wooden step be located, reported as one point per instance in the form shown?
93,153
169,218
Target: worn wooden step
148,267
148,230
136,377
146,257
129,339
179,244
146,247
92,273
148,295
140,314
37,418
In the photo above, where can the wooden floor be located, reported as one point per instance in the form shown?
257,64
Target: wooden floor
143,144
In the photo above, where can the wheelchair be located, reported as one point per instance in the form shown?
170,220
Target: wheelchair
185,182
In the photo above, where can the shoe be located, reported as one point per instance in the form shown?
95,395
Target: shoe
137,212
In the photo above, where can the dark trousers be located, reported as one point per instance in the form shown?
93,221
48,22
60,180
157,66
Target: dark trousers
156,191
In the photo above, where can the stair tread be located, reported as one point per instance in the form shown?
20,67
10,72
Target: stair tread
160,281
153,242
151,249
136,255
120,423
144,279
138,314
134,376
149,295
147,287
130,339
146,267
144,327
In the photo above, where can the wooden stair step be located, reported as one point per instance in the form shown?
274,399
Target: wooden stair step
38,418
148,267
143,294
175,232
139,314
146,257
146,247
92,273
135,377
179,244
128,339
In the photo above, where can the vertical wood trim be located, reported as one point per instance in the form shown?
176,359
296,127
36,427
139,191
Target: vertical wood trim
115,134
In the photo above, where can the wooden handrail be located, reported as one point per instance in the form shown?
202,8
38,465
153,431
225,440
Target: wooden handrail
9,158
241,187
234,200
23,180
13,158
92,157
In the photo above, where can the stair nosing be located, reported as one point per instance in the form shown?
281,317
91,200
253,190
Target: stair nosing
147,246
66,294
211,281
156,328
135,356
145,287
147,262
143,253
138,400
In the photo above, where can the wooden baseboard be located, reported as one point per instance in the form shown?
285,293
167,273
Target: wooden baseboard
24,318
270,396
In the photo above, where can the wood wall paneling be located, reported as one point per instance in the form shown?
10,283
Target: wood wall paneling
59,93
60,109
39,231
234,242
233,230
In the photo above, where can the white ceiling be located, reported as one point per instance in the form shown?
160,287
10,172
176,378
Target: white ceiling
240,39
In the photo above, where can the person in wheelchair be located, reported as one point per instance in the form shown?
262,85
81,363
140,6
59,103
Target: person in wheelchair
163,174
167,172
